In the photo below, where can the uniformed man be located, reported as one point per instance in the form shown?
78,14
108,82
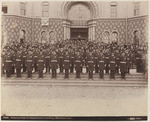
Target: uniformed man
128,60
41,64
78,65
29,64
60,56
138,61
117,56
24,54
8,64
3,60
112,66
47,60
54,64
143,64
18,63
13,61
35,59
107,61
123,65
72,60
86,60
66,64
96,60
101,64
90,60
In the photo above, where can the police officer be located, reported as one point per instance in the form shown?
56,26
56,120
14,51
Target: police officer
96,60
3,60
18,63
60,56
78,64
8,63
101,64
47,60
13,61
86,60
24,54
54,64
72,60
138,61
128,60
123,65
107,61
35,59
29,64
117,56
41,64
66,64
90,60
112,66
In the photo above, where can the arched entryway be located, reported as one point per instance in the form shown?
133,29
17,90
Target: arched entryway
79,20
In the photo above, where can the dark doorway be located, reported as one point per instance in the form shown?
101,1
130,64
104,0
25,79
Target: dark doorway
79,33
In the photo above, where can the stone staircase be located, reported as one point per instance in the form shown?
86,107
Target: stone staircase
133,80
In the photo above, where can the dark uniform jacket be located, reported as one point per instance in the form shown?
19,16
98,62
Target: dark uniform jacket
18,61
24,55
128,59
60,57
123,67
78,63
72,58
8,61
101,63
54,62
66,63
112,63
107,60
95,58
35,57
47,58
138,59
90,60
41,62
29,62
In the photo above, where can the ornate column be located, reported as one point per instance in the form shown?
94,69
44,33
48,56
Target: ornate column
66,26
91,26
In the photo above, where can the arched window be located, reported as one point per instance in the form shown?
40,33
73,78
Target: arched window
106,37
113,9
22,36
52,37
137,9
136,38
45,9
114,37
23,8
43,37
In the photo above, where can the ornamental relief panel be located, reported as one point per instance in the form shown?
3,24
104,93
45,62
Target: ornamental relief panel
79,11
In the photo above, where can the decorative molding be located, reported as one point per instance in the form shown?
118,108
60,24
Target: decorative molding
91,5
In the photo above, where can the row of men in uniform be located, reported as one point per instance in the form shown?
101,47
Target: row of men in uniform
69,59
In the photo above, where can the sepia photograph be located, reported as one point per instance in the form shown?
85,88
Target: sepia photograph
74,60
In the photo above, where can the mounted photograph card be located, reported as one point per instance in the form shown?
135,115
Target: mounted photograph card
74,60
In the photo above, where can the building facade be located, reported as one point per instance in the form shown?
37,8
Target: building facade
50,21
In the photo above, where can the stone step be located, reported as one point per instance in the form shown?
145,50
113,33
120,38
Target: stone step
82,74
83,77
62,78
79,84
78,81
